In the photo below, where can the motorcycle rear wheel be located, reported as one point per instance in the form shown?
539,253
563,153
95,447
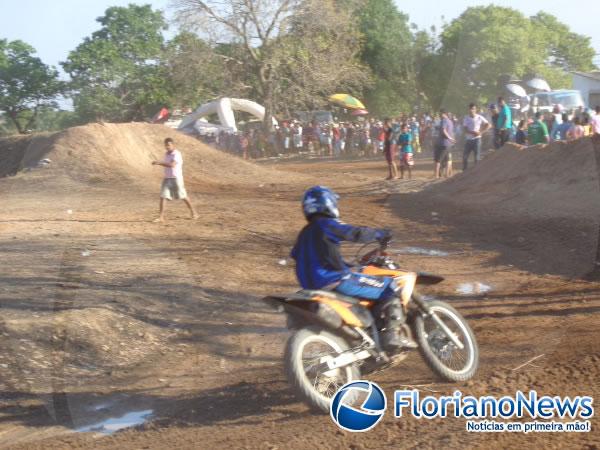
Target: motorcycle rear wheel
316,389
439,352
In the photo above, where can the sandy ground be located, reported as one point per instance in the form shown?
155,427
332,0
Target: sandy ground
104,312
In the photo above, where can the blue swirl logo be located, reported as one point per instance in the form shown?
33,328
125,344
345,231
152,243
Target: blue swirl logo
358,406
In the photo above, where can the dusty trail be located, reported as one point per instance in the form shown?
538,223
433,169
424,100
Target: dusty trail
105,313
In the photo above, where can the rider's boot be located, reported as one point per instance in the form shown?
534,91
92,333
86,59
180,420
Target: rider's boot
394,318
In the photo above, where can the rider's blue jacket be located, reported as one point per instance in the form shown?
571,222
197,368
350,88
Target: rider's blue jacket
317,251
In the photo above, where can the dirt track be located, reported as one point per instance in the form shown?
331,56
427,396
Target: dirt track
106,313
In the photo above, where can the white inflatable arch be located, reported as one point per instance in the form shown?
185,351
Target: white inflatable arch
224,107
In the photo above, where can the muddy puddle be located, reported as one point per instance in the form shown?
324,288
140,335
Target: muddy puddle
473,288
114,424
420,251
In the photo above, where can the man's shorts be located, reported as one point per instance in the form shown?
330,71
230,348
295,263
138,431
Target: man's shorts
173,189
441,154
406,159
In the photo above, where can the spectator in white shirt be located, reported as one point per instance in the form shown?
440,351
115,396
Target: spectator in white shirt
474,125
172,186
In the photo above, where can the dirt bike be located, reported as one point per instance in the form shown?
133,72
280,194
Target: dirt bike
336,339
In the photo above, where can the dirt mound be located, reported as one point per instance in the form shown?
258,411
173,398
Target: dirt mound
74,344
18,152
113,152
536,207
552,181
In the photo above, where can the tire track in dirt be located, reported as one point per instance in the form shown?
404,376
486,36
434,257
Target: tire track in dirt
224,387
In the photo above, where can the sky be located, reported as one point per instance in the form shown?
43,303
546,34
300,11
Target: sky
56,27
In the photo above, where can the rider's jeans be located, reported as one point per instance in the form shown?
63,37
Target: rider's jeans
367,287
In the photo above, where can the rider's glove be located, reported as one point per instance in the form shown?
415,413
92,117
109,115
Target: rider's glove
385,237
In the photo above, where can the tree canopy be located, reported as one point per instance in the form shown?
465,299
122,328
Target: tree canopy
288,55
388,50
26,84
488,44
117,73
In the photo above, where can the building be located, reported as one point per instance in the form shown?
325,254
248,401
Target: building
589,85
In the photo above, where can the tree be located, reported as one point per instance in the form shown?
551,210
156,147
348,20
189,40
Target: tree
200,72
388,51
564,51
117,73
26,84
479,46
487,43
428,69
285,43
52,119
319,56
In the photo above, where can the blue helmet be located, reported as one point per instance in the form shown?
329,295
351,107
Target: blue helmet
320,200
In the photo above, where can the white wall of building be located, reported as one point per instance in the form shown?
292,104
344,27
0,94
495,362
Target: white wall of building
590,89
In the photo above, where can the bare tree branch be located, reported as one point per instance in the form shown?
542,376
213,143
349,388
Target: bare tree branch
299,51
250,6
282,8
210,12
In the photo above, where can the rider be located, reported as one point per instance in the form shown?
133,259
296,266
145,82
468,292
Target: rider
319,264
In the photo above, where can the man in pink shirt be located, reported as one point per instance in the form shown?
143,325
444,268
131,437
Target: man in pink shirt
172,186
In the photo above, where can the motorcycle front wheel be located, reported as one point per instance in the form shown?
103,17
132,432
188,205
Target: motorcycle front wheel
307,350
439,352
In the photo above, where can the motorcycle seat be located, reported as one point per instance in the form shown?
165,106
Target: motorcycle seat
307,294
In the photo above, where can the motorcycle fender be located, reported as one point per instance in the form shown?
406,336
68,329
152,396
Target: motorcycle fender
329,312
407,284
428,279
347,313
311,312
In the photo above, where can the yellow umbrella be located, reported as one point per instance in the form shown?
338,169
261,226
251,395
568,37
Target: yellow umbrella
346,101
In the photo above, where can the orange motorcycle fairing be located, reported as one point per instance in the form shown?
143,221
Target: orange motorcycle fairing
367,303
406,281
379,272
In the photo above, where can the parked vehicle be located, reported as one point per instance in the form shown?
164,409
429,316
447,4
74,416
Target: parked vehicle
570,100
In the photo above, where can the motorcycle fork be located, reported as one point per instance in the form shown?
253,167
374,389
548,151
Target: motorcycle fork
422,304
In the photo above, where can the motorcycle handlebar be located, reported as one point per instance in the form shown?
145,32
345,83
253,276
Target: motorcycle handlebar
368,257
384,243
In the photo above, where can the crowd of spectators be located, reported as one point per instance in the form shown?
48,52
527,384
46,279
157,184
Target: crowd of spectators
439,134
557,126
362,138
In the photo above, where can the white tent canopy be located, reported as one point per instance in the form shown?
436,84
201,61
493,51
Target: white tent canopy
224,107
539,84
516,89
